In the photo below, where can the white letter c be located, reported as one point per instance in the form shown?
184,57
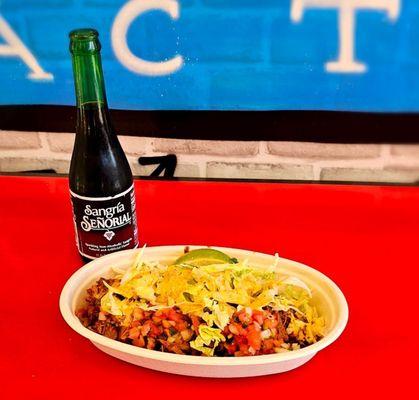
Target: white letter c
128,13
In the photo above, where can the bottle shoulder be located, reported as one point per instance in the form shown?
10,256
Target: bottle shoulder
99,166
99,170
86,192
99,188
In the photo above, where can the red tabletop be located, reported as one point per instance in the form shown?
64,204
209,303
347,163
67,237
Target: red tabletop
364,237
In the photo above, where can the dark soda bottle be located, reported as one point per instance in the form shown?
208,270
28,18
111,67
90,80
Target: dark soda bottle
101,184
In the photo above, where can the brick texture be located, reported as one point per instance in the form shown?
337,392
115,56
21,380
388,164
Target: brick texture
209,147
21,164
323,150
259,171
370,175
405,150
135,146
32,151
19,140
182,170
61,142
64,142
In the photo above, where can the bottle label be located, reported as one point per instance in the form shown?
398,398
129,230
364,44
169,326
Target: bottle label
105,224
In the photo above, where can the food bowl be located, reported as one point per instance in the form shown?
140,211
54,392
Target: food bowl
327,297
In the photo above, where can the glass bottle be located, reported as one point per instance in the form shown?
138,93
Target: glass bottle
101,183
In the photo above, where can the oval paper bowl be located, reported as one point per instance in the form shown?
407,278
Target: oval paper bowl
327,296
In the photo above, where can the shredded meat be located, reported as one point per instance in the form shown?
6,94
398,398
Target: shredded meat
284,320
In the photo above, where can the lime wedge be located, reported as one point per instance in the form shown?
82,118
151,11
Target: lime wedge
200,257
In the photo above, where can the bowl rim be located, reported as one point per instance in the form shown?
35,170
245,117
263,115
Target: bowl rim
66,299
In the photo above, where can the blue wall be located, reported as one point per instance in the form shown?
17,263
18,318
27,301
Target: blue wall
238,54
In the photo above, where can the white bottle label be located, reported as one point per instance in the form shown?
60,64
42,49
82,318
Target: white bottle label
105,224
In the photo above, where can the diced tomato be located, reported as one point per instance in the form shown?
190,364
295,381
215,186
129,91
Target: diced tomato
134,333
244,317
140,342
242,330
233,329
256,326
174,316
180,326
161,313
155,330
186,334
244,348
195,322
138,314
258,316
270,323
236,329
124,333
240,339
166,323
146,328
254,340
254,337
268,344
231,348
151,343
176,349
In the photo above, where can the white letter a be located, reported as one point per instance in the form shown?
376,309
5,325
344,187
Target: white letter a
15,47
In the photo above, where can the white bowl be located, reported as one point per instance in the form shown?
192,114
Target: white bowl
327,297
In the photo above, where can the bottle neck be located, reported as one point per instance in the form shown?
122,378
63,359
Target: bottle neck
92,110
89,82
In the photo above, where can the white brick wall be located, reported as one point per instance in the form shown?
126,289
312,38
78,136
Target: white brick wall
15,140
323,151
23,151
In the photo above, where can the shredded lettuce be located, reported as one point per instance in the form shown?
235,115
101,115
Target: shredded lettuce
215,314
109,303
213,293
293,280
207,340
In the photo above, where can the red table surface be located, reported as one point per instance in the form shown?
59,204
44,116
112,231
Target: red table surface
363,237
